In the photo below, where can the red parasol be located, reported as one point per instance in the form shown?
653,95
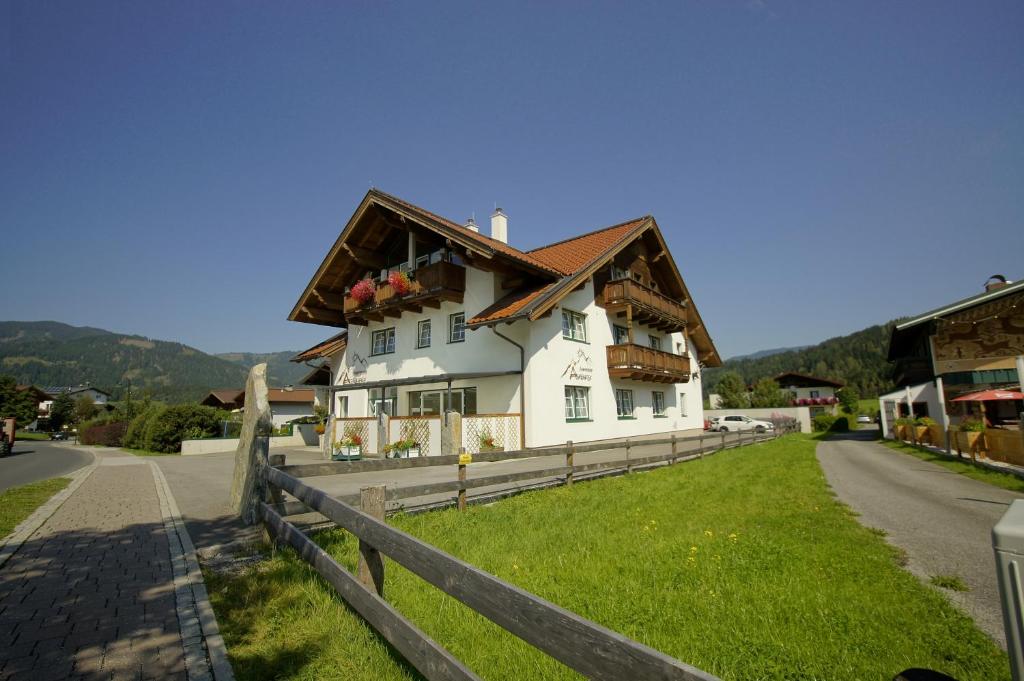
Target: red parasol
989,395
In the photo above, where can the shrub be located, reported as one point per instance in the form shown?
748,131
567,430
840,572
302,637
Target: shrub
167,427
107,434
134,436
904,421
784,424
822,422
925,421
972,426
841,424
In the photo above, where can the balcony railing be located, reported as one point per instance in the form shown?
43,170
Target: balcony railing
647,364
649,306
429,285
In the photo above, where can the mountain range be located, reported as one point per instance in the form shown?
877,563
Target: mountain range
51,354
857,359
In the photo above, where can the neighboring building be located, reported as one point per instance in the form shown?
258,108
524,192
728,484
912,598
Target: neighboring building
818,394
968,346
40,397
286,404
589,338
99,397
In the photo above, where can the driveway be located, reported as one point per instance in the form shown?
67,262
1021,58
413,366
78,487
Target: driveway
941,519
35,460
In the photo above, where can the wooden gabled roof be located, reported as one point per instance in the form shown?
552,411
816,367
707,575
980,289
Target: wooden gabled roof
550,272
331,346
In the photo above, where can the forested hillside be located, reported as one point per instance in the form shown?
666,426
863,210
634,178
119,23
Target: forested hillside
51,353
281,371
857,360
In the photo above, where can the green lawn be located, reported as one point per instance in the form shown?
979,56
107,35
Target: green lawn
868,406
961,466
146,452
27,435
742,564
18,503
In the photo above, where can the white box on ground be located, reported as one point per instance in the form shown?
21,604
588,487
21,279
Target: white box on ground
1008,543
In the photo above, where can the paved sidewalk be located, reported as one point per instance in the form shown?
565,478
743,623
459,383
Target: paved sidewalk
92,593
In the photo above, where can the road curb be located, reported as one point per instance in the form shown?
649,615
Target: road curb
10,544
195,614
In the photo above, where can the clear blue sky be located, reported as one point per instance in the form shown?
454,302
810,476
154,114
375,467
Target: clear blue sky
178,169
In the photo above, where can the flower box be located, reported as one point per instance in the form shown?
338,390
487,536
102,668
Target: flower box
347,453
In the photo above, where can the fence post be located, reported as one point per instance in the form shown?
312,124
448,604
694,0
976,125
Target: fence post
629,466
674,449
723,440
462,478
570,453
700,447
370,570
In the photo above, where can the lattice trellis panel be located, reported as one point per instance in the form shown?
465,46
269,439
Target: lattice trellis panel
504,428
418,430
360,427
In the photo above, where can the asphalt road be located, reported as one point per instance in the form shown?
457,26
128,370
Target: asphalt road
941,519
33,460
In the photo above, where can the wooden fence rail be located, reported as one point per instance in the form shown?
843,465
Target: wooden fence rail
582,645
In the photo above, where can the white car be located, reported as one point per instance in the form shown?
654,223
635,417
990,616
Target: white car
738,423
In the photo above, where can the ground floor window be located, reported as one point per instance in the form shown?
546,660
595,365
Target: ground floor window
342,411
577,403
682,404
435,402
624,403
658,402
383,401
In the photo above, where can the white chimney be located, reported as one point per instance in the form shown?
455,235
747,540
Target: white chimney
499,226
471,225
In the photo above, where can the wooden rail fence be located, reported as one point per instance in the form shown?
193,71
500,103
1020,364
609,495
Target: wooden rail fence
586,647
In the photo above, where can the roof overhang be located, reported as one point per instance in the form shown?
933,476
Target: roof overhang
422,380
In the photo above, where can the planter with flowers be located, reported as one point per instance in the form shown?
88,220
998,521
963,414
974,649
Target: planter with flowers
364,291
402,449
349,448
904,428
969,436
922,429
400,283
487,443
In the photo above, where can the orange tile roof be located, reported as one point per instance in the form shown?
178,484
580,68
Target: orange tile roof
335,343
509,305
571,255
296,395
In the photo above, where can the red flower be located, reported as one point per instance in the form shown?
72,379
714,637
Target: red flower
364,291
399,282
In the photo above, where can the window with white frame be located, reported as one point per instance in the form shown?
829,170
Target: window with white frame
654,341
383,342
574,326
619,273
577,403
682,404
457,327
658,402
624,403
383,400
423,334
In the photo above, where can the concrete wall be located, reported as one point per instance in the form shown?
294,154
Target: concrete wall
303,434
801,414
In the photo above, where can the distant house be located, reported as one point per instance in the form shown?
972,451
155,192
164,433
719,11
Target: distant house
967,346
41,397
286,404
100,398
819,394
229,399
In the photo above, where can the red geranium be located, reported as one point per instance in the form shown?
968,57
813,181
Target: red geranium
364,291
400,282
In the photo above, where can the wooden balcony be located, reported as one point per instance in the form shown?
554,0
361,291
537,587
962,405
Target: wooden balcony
648,306
641,363
430,285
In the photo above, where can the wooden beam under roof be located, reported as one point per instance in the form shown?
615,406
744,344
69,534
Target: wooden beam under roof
364,256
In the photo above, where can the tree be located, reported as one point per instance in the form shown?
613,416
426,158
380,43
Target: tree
17,403
848,399
733,391
766,394
61,412
85,409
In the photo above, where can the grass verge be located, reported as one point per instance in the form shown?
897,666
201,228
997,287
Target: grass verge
741,564
951,582
146,452
962,466
28,435
18,503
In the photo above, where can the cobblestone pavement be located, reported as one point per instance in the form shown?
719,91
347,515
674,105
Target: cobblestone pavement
91,595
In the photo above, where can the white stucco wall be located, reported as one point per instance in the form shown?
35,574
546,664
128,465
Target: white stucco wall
923,392
283,412
547,356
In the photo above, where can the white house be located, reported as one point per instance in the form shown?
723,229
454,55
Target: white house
99,397
589,338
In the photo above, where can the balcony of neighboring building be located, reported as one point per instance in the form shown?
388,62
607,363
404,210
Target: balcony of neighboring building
643,304
427,285
640,363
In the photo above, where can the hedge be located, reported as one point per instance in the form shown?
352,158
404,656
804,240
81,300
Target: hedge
106,434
